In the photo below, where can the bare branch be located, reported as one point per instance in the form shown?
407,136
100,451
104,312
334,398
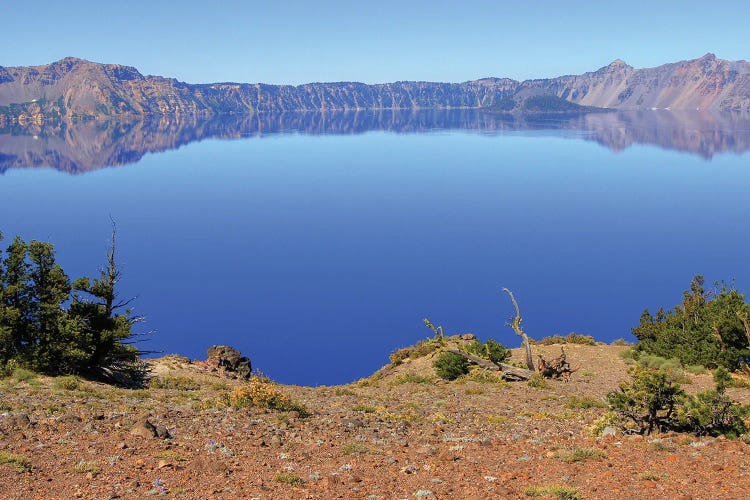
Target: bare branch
516,325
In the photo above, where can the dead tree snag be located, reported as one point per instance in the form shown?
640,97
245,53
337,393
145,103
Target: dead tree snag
516,325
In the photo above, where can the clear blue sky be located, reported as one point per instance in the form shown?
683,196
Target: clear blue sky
297,41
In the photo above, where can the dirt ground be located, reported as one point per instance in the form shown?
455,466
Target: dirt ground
403,434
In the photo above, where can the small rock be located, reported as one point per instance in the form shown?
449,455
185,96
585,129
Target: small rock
609,432
423,493
18,421
69,418
162,432
352,423
409,469
146,429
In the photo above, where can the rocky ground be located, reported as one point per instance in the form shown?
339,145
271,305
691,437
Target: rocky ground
401,434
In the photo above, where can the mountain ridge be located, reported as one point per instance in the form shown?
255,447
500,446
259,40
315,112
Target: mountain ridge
74,89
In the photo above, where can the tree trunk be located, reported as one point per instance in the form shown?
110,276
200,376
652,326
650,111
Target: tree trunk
509,372
516,325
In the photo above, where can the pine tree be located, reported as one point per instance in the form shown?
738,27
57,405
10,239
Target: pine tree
706,328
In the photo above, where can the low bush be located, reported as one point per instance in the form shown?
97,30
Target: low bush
289,478
648,402
174,382
450,366
621,342
713,412
583,403
18,462
68,383
23,375
555,491
263,393
579,454
420,349
492,350
411,378
654,401
571,338
537,381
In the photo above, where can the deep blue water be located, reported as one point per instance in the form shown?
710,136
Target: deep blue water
317,255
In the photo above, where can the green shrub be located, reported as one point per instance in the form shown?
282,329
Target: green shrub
630,355
354,448
571,338
289,478
712,413
648,402
18,462
537,381
68,383
707,328
696,369
579,454
420,349
557,491
609,419
583,403
654,401
177,383
492,350
621,342
23,375
450,366
411,378
671,366
483,376
263,393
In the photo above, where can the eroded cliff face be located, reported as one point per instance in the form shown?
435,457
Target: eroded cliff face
705,83
74,89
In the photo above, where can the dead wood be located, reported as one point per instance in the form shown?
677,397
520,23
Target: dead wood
558,367
516,325
508,372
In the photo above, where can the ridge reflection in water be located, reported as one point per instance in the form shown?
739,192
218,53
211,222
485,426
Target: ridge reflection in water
86,146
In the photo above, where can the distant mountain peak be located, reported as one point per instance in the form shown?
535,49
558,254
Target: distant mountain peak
75,88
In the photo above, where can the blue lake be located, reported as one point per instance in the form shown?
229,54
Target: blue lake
318,252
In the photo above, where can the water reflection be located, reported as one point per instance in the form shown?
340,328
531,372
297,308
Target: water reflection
86,146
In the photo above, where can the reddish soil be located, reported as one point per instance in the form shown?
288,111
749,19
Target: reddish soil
402,435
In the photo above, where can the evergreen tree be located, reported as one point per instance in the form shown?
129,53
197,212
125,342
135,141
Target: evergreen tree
706,328
105,328
15,303
37,330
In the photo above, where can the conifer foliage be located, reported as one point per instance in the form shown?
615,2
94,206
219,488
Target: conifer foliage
52,326
709,328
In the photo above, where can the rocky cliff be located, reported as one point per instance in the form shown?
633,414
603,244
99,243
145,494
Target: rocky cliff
74,89
705,83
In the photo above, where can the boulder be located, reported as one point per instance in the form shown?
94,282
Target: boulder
229,360
144,428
